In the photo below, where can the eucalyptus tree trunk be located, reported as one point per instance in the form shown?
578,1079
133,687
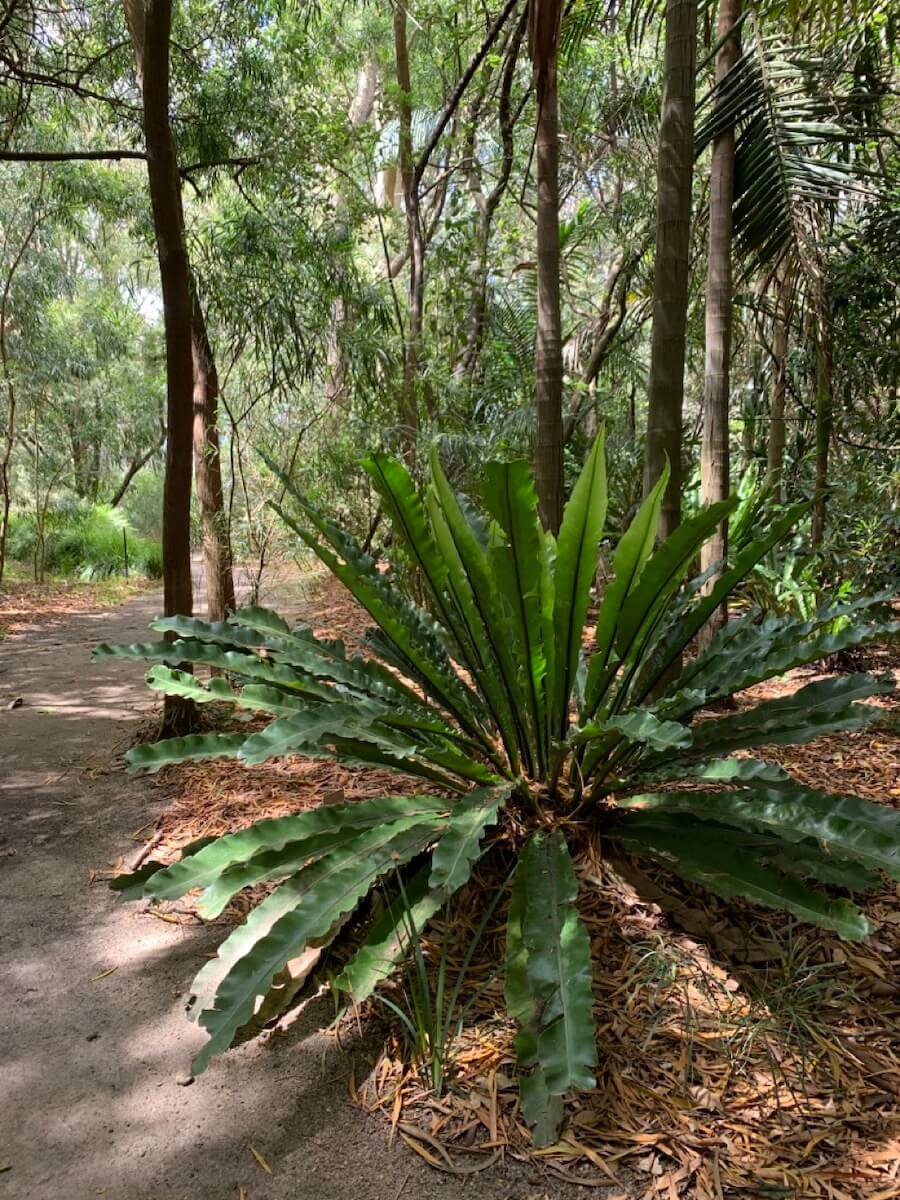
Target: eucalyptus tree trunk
359,113
409,403
675,170
543,44
715,466
217,557
208,475
150,25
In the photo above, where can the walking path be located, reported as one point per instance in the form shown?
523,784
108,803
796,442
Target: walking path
93,1037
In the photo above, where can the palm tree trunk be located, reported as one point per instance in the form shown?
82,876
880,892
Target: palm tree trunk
544,19
715,453
673,235
150,24
824,416
777,425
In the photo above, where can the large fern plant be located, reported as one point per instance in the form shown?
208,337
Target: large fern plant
525,716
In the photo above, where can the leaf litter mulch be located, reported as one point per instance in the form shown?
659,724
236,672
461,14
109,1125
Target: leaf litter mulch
742,1054
26,606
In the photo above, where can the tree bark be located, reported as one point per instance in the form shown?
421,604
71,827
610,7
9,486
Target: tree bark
409,403
360,111
824,416
715,466
487,205
777,426
543,44
9,438
150,24
673,235
208,474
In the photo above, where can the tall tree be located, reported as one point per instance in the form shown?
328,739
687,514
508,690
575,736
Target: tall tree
675,171
543,45
409,404
781,323
150,26
715,452
208,473
823,337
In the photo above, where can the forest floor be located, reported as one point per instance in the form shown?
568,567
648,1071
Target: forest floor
741,1055
94,1044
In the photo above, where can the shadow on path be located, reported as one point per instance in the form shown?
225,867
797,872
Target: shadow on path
93,1038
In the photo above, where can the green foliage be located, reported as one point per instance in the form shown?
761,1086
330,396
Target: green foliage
497,682
431,1012
86,540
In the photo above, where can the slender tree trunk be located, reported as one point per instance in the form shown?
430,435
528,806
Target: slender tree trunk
335,372
824,416
9,438
715,466
673,235
150,24
409,403
777,426
208,475
543,38
487,205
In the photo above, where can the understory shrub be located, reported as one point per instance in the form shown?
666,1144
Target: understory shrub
86,541
553,734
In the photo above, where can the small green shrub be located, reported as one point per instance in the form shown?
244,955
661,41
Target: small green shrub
87,541
526,720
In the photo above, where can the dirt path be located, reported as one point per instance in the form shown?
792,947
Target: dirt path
93,1039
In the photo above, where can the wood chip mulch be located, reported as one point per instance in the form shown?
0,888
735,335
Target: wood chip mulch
742,1054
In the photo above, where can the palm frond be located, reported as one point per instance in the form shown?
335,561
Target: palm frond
791,162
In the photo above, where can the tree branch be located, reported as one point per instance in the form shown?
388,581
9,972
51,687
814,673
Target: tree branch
68,155
465,79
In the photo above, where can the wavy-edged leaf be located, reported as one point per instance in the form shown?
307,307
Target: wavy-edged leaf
558,965
717,857
673,642
182,683
650,601
848,827
519,568
540,1109
301,909
460,843
389,937
409,630
576,563
203,862
263,620
196,747
628,562
826,706
474,590
755,653
278,864
640,726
